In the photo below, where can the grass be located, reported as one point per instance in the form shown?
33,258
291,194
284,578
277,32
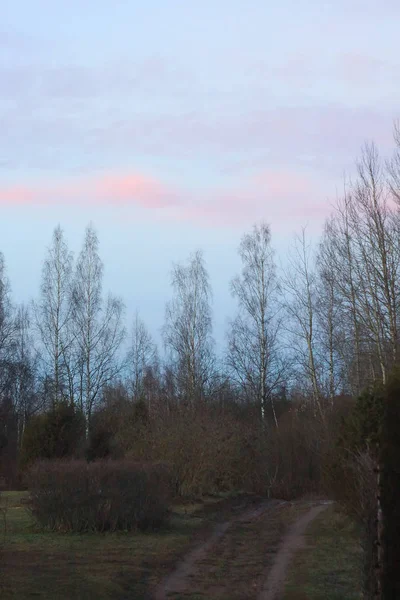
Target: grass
37,564
329,568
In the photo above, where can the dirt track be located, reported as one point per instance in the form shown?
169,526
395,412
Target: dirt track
270,586
178,581
291,543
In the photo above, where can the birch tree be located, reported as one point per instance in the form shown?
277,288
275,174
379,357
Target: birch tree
188,329
142,356
300,284
376,237
332,329
344,271
53,314
99,329
254,358
8,329
26,370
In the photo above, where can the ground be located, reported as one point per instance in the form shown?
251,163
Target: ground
218,548
330,566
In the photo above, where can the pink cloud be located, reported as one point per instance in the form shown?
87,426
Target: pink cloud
273,195
279,197
17,195
121,189
147,191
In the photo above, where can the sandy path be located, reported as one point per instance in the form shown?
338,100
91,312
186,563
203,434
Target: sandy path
291,543
179,580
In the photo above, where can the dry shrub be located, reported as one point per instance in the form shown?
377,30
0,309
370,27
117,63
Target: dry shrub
352,481
99,496
213,450
353,484
207,454
294,455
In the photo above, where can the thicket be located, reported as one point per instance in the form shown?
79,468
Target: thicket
57,433
209,448
76,496
212,449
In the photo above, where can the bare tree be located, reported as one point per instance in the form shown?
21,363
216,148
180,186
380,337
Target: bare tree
331,327
188,328
254,358
359,267
300,284
8,329
393,165
7,321
25,399
53,314
376,233
142,356
343,267
99,329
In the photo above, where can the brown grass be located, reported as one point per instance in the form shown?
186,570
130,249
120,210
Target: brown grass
330,567
99,566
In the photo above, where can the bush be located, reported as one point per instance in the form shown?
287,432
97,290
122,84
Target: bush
99,496
100,444
59,433
207,453
213,450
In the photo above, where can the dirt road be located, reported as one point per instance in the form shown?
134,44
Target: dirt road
291,543
244,557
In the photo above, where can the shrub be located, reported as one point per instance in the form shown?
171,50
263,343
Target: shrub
98,496
213,450
58,433
100,444
206,453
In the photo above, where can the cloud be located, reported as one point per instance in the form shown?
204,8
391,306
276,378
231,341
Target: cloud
118,189
280,197
59,116
307,71
69,81
144,190
273,195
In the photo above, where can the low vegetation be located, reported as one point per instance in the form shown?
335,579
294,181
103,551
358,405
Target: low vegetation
37,562
100,496
330,567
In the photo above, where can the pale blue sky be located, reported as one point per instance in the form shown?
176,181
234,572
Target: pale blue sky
174,125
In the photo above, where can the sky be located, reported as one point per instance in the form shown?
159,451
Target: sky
176,125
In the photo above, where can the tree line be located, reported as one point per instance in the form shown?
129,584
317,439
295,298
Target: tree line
325,323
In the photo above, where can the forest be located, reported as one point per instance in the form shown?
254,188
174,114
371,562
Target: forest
291,405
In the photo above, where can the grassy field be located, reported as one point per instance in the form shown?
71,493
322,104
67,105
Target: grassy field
37,564
329,568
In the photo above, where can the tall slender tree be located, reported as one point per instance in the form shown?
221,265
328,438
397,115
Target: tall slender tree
99,329
53,314
142,356
300,284
254,358
8,330
188,329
